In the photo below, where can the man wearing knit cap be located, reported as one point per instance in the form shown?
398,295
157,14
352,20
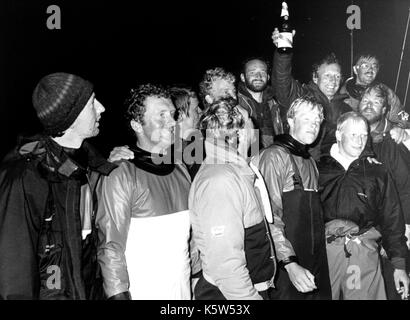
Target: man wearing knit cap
47,201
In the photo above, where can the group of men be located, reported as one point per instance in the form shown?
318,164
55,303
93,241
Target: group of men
310,205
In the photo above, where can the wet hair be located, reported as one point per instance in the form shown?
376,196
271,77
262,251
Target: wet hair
351,115
304,102
381,92
367,56
247,60
181,98
135,101
329,59
222,118
210,76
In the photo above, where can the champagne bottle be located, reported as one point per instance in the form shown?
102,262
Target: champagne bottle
286,37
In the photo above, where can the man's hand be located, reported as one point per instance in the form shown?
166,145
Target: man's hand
276,36
121,153
401,280
300,277
373,160
399,135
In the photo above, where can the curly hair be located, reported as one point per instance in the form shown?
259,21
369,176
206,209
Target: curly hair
329,59
222,118
210,76
381,92
135,101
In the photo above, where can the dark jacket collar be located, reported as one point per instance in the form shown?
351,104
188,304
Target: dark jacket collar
295,147
355,90
55,160
321,97
152,163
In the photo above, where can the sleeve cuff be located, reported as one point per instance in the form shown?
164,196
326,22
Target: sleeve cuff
290,259
398,263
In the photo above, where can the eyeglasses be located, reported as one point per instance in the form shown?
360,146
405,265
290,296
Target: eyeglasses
366,66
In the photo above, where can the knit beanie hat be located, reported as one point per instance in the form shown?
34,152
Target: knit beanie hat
58,99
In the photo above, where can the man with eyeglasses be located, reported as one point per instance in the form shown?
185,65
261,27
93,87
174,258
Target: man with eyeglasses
365,70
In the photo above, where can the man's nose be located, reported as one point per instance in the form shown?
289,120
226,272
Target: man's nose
171,122
100,108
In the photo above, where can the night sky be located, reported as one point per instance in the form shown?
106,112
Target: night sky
119,44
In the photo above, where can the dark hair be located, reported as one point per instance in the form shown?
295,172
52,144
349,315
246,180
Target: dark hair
180,97
328,59
135,101
247,60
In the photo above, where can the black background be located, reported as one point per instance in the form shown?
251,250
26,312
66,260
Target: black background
118,44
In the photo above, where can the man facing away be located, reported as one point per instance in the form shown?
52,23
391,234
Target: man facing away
143,219
228,202
47,207
361,207
298,229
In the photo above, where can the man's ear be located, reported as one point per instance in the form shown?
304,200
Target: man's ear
384,111
291,123
242,76
136,126
268,77
315,77
338,135
208,99
355,70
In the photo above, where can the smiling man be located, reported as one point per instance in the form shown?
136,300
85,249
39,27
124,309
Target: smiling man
324,88
143,218
366,69
361,207
256,97
298,230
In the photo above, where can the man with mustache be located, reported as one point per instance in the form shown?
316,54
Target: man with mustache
365,70
143,218
47,207
255,96
396,157
361,207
